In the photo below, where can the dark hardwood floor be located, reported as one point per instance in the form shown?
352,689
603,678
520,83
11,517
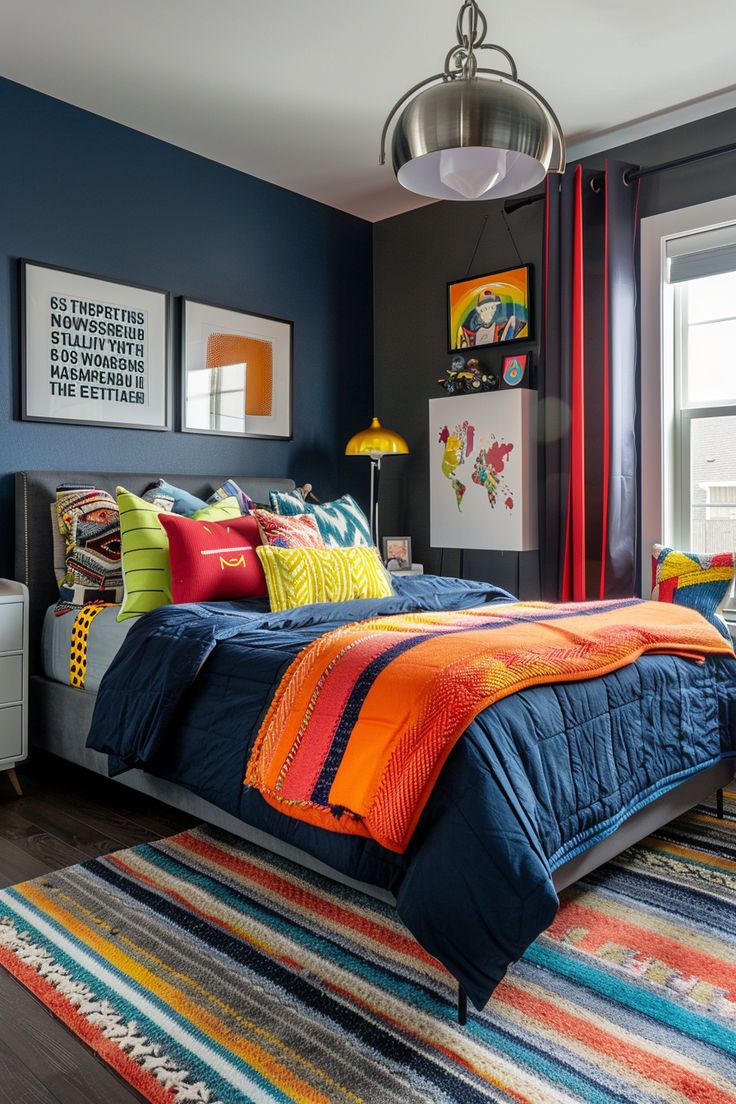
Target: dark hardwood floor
66,815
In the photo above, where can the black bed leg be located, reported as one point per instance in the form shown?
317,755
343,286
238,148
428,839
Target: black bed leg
462,1006
719,804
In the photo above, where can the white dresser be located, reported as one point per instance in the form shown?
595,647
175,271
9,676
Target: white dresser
13,677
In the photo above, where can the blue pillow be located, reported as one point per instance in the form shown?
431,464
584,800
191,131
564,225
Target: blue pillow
230,489
172,499
342,523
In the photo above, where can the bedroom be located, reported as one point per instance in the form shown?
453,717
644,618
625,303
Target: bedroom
293,824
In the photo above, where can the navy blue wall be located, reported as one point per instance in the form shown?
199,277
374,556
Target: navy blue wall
79,191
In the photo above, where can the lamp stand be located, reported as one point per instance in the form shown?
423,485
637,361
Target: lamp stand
375,478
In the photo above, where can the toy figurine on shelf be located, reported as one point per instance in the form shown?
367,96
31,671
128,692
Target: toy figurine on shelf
465,379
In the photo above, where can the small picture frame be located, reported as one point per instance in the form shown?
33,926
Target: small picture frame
515,369
397,553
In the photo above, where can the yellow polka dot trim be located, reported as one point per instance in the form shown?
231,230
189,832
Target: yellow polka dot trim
80,635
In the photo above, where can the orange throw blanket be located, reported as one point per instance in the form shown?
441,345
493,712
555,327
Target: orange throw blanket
365,717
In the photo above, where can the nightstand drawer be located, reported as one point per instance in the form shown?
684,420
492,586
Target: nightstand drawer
11,679
11,627
11,732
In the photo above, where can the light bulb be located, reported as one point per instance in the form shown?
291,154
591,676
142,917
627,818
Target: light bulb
472,170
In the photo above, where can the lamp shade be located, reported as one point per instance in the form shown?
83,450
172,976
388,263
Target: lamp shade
473,139
376,441
480,133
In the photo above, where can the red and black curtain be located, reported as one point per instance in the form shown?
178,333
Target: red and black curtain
588,499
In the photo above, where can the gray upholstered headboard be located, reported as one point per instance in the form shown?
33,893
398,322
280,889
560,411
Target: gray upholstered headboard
35,490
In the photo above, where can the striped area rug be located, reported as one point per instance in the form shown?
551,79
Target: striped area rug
203,969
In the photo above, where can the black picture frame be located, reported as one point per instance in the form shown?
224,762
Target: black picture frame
189,302
488,278
25,264
404,566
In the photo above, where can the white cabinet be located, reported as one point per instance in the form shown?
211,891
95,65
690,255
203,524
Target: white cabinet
13,677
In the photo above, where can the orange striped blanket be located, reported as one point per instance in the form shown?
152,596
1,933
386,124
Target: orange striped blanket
365,717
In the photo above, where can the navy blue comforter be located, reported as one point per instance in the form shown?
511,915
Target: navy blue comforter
537,777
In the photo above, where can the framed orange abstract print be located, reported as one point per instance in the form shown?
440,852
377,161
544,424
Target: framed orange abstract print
490,310
236,372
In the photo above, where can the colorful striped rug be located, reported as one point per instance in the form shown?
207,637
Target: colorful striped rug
203,969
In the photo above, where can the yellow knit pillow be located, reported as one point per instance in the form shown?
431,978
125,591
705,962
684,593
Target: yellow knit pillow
301,576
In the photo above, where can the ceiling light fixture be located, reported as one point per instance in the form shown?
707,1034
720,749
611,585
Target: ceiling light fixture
472,137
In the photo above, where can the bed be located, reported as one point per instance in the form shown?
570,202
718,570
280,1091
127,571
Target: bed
451,869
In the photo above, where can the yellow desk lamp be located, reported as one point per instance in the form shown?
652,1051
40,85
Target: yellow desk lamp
376,442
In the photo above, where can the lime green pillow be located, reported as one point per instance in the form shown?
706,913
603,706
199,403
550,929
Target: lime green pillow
301,576
145,549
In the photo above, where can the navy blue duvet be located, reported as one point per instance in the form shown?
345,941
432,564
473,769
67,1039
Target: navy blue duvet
537,777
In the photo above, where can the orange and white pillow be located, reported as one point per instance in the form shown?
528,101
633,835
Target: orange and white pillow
299,531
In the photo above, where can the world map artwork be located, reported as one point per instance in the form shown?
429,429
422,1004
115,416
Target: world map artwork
488,464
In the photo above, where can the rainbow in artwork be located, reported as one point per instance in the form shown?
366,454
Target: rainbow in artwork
489,310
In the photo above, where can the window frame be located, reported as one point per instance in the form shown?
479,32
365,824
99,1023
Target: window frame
685,412
660,451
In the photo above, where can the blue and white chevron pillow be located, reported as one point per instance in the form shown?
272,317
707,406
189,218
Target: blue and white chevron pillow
342,523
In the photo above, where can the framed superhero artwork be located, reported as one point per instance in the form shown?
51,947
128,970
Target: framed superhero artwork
490,310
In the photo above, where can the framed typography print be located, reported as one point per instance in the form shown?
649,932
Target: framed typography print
236,372
95,351
489,310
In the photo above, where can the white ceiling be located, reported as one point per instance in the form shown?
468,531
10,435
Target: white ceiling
296,91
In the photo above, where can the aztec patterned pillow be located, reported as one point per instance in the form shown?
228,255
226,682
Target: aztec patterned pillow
145,547
213,561
302,576
299,531
173,500
342,523
88,522
230,489
689,579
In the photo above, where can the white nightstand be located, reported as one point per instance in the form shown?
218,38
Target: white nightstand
415,569
13,678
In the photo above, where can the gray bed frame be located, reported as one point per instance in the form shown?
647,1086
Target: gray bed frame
60,715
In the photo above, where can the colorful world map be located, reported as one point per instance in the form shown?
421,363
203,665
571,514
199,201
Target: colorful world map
488,465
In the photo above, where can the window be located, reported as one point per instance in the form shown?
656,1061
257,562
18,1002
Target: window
688,378
704,379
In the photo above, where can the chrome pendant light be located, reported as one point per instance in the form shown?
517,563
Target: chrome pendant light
471,136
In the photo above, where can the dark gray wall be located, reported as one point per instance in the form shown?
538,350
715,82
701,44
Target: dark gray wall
414,257
689,184
415,254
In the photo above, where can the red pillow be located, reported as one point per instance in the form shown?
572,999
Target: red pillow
213,560
282,531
